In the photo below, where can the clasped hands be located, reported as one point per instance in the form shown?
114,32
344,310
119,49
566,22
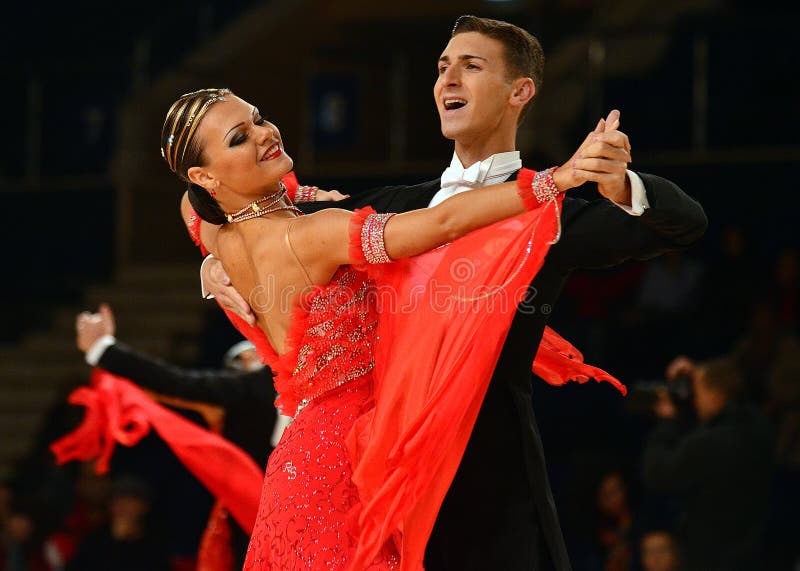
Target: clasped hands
603,158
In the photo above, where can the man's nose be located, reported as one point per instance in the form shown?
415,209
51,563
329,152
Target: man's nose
452,75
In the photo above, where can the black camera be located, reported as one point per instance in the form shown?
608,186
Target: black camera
643,394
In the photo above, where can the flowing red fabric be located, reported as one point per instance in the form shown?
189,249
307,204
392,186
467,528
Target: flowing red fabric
216,552
117,411
444,317
558,362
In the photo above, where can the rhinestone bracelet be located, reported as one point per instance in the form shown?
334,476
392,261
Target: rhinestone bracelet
306,193
537,188
372,243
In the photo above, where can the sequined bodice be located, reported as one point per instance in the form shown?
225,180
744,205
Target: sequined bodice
331,341
307,504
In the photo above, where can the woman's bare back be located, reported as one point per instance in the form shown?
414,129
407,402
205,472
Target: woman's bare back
260,257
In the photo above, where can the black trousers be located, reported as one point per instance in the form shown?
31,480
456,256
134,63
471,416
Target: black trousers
507,544
488,520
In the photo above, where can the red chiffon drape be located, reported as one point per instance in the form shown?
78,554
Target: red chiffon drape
444,317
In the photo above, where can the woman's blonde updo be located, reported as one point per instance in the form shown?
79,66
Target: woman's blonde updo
182,151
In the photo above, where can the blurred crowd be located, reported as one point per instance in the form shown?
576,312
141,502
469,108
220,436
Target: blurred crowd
698,468
106,524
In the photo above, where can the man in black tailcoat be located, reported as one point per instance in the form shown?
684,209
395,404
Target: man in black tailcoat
499,513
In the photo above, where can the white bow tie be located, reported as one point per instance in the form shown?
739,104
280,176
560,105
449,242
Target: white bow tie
459,176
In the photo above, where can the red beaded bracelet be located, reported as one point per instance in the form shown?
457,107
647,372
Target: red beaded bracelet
536,188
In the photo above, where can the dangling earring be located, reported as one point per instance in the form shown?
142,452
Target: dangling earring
214,190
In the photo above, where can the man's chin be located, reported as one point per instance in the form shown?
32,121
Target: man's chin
451,131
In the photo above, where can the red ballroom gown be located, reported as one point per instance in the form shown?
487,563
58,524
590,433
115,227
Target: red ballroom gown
385,373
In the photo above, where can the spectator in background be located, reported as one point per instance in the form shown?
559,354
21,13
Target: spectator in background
88,512
615,522
658,550
21,548
601,522
127,543
720,468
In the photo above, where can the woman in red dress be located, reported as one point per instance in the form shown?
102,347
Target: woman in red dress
357,479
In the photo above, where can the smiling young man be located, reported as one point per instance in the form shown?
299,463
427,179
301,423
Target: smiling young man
484,88
499,513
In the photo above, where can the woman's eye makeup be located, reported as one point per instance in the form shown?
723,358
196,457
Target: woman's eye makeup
238,138
241,137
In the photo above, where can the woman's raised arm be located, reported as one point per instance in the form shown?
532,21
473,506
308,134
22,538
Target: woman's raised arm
322,240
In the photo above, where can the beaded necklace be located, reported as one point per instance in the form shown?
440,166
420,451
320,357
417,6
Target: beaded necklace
258,208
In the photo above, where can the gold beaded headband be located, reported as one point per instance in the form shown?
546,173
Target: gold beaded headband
196,112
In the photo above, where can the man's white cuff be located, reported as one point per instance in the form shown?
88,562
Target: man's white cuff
639,202
95,353
203,291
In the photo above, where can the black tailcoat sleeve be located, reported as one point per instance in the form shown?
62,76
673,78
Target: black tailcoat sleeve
248,398
599,234
222,387
399,198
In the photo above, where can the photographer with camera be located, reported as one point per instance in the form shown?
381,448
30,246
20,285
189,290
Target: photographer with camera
719,463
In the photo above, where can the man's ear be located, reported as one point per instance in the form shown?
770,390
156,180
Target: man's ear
201,177
522,91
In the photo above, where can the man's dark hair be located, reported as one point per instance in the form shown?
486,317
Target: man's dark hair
523,52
